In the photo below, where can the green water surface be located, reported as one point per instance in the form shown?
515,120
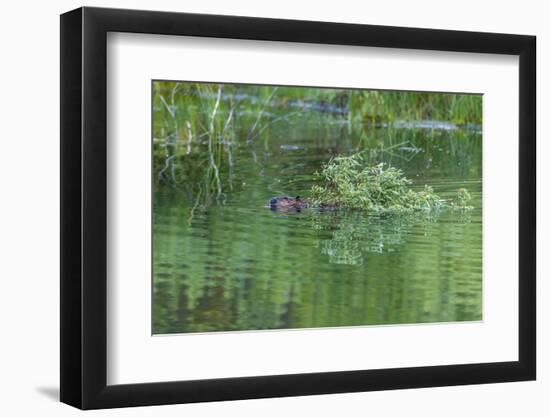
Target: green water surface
237,265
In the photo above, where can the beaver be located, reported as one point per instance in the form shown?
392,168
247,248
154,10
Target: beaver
286,203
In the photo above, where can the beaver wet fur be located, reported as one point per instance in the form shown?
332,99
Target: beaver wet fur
287,203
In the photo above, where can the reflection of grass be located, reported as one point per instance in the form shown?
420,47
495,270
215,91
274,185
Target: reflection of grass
347,237
242,270
196,127
353,235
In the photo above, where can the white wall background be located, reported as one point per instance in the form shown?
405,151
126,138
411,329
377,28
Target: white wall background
29,232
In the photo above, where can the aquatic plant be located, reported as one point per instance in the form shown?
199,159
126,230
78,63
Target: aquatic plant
349,182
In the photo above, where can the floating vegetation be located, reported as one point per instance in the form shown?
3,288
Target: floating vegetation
349,182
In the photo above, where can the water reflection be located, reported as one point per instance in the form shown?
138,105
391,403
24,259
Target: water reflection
352,234
237,269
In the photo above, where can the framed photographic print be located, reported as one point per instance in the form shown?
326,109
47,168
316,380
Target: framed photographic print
258,208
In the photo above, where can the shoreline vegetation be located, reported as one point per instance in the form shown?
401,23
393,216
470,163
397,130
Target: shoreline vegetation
197,127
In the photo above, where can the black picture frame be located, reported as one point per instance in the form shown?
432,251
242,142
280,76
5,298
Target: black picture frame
84,207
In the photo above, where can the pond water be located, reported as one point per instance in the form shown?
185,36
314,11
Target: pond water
240,266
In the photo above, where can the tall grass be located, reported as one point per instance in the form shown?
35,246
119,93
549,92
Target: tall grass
388,106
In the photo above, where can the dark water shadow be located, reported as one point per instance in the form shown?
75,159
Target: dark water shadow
50,392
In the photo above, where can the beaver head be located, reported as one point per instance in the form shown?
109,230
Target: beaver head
286,203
